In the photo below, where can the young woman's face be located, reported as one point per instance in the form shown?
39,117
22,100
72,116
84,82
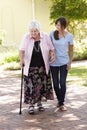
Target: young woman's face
58,26
34,33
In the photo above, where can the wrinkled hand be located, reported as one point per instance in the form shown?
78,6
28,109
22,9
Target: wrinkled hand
22,63
52,59
51,56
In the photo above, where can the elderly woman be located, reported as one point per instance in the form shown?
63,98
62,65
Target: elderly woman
35,56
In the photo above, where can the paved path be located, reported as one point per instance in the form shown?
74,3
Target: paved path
74,119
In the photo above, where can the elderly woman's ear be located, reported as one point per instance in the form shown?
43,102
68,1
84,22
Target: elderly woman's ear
51,56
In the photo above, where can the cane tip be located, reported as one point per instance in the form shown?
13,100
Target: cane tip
20,113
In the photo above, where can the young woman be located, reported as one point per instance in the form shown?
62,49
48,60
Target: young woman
63,44
34,55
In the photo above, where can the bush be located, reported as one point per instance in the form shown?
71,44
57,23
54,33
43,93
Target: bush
10,57
0,41
2,36
80,51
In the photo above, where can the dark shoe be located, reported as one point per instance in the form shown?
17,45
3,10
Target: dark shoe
40,107
31,110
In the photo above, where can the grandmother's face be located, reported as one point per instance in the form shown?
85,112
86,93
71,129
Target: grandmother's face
34,33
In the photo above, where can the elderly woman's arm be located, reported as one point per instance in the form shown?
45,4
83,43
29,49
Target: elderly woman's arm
52,50
21,55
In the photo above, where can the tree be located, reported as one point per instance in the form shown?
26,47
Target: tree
71,9
74,10
76,13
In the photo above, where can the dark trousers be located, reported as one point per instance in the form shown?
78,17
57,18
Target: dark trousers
59,74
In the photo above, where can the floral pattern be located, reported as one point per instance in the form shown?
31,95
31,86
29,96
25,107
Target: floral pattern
37,85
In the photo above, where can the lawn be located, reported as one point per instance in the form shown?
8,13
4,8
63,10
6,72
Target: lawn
77,76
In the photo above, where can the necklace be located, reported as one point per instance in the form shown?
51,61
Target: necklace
37,46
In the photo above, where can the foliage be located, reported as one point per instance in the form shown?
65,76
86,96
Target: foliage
80,54
80,49
79,29
9,57
76,13
71,9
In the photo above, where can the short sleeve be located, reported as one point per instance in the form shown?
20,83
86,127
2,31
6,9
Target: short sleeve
23,43
70,39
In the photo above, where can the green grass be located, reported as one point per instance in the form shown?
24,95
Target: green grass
77,76
12,66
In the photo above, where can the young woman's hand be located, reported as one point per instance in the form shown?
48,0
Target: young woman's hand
68,66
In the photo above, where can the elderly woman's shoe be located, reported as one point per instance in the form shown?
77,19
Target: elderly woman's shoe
40,107
31,110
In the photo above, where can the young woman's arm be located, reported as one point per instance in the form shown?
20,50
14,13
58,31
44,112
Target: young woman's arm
70,56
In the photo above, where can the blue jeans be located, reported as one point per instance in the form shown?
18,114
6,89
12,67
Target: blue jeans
59,74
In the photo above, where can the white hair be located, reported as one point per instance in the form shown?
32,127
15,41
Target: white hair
34,25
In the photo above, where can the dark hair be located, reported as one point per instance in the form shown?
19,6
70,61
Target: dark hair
63,23
62,20
56,32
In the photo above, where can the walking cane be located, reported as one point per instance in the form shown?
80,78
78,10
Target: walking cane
20,112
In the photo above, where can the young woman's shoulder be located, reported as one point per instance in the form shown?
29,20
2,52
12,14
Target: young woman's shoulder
69,34
51,33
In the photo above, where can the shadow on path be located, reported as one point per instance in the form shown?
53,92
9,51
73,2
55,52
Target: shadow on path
73,119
